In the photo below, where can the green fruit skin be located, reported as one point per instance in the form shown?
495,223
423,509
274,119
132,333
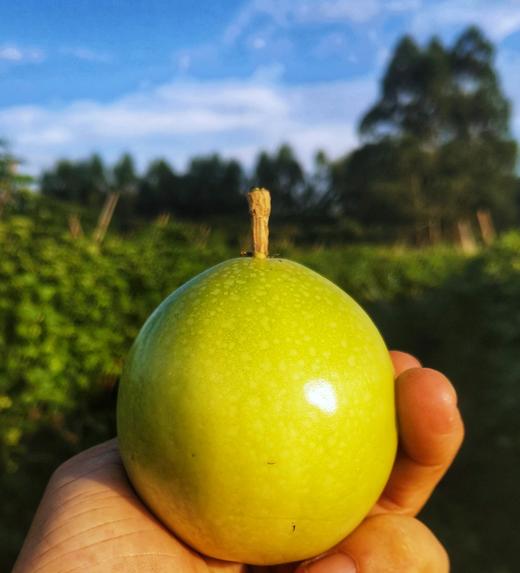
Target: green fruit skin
256,412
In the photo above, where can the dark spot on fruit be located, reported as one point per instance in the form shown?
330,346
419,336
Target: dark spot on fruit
192,455
293,527
271,463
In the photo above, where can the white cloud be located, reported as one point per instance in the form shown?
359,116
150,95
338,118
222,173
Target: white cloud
336,44
183,62
499,19
284,13
336,11
402,5
87,54
15,54
11,54
258,43
237,118
184,118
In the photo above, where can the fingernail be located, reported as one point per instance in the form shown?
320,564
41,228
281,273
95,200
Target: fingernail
334,563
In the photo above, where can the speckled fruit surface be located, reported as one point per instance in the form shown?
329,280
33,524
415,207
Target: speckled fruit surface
256,412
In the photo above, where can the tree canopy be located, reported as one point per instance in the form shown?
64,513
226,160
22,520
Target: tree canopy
436,148
436,144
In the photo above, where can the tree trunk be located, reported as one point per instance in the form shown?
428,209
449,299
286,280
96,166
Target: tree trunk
466,237
163,219
487,228
105,217
75,228
434,232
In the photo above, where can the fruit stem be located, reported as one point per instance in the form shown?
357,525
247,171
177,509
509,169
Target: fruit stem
260,208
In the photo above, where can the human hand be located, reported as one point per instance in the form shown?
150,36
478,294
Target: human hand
91,520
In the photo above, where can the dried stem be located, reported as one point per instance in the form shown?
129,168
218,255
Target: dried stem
260,209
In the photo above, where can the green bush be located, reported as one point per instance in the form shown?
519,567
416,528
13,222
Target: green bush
69,311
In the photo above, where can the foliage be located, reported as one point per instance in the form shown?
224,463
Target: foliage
83,182
470,328
210,186
436,149
438,145
69,312
283,175
124,174
13,184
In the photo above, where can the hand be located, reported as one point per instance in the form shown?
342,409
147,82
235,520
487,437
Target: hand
90,519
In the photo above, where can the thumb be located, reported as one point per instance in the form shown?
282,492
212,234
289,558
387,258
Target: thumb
384,543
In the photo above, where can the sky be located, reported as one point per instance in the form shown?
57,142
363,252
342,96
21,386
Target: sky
179,78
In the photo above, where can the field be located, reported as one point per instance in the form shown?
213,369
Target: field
69,310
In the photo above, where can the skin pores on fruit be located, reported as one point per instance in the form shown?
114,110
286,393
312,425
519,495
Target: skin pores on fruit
256,412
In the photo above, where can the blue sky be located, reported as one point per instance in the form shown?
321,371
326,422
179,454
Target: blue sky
178,78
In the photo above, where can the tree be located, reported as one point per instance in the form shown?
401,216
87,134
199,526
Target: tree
12,182
283,175
96,175
415,89
157,188
5,164
437,143
317,200
6,175
84,182
210,186
124,175
125,181
213,186
478,162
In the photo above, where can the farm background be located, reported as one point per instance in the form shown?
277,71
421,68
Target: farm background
419,222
